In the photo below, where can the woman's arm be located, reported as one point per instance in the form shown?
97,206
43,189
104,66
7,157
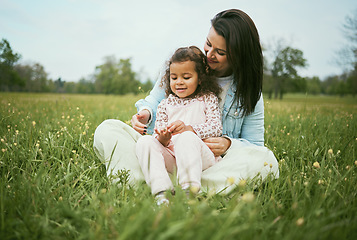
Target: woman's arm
150,104
252,132
253,125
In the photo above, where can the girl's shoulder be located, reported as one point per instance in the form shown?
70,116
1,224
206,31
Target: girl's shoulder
209,97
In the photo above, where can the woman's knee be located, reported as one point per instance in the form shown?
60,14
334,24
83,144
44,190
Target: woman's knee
146,140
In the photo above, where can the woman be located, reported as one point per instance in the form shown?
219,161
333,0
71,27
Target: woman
234,54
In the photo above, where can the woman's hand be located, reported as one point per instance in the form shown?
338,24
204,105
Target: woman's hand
139,120
218,145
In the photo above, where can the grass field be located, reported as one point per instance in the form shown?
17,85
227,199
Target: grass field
53,186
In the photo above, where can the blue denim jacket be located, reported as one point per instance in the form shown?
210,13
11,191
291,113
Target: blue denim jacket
235,126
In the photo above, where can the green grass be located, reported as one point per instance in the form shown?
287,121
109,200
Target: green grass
53,186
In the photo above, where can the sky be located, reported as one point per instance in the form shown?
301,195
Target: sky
71,37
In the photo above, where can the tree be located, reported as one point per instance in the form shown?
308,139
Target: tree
34,76
347,58
116,77
350,31
285,67
8,77
313,85
85,86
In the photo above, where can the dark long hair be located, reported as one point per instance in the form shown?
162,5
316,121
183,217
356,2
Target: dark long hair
244,54
207,81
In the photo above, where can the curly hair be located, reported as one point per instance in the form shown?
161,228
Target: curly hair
208,83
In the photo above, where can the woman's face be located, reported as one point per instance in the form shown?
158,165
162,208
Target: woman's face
216,52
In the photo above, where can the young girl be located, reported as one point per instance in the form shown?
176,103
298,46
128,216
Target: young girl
189,114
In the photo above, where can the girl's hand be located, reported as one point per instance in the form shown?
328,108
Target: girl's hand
218,145
163,135
179,127
139,120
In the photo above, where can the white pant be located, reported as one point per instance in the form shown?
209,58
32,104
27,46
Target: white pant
187,154
115,145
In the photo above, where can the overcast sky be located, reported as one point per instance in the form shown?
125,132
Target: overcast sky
71,37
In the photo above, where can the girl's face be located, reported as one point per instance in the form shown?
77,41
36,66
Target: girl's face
183,78
216,52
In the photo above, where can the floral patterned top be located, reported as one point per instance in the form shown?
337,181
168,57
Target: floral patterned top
202,113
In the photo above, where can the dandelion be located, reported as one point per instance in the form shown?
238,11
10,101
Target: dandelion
33,123
316,164
300,221
194,189
330,151
248,197
242,183
230,180
74,151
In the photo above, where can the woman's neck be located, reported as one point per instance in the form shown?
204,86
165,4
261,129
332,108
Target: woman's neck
224,74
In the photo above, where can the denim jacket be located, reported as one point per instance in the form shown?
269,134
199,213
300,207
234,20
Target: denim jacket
235,126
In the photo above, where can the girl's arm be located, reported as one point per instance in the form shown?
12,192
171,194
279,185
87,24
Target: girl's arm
161,133
213,125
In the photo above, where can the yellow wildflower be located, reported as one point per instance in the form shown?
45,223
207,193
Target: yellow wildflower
230,180
248,197
300,221
316,164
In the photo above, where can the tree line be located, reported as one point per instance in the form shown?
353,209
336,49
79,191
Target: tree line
116,76
112,77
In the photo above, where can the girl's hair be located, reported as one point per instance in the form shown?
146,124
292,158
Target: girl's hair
207,82
244,54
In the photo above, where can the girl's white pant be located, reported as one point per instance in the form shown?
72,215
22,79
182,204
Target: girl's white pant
187,155
115,145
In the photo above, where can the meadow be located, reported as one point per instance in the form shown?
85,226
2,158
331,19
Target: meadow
54,187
